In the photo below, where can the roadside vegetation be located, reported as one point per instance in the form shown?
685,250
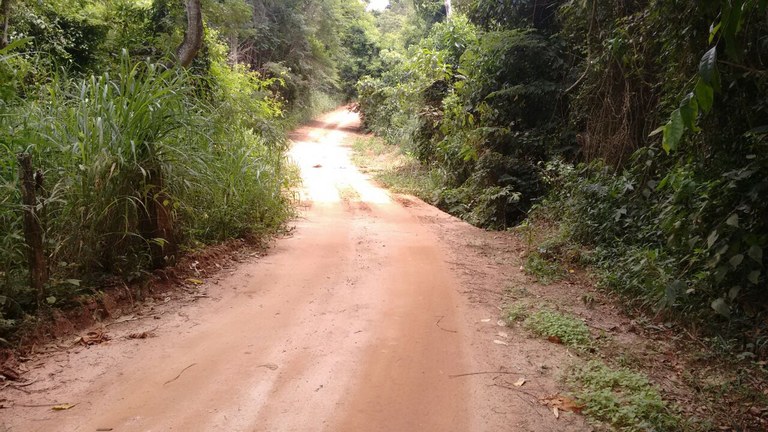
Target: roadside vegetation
625,140
634,132
150,128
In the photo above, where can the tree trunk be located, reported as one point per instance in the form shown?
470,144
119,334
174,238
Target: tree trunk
5,16
33,230
193,36
448,9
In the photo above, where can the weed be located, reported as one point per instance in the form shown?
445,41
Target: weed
568,329
395,170
515,312
545,271
623,398
516,291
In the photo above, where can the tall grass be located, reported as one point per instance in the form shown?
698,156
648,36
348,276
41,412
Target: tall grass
110,144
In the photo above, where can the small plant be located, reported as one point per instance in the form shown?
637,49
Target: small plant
569,330
515,312
623,398
546,272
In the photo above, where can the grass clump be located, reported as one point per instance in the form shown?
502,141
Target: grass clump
515,312
545,271
118,149
394,169
622,398
568,329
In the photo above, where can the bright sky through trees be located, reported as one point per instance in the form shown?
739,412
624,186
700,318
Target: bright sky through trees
378,4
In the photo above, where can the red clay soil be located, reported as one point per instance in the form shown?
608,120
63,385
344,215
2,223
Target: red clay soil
363,320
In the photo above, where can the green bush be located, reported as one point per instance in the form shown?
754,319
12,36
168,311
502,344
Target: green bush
112,145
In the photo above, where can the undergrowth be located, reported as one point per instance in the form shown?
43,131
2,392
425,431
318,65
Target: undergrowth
566,328
621,397
394,169
545,271
117,147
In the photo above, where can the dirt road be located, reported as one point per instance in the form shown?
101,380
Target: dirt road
356,322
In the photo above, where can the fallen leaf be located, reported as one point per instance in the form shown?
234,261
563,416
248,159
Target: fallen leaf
141,335
62,407
555,339
93,338
104,429
499,342
501,323
485,320
562,403
10,374
520,382
195,281
317,166
503,334
556,412
123,319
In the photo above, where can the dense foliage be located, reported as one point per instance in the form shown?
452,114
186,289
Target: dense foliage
137,158
643,123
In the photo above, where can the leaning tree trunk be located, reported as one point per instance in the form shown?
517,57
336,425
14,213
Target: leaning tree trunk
29,182
193,36
448,9
5,16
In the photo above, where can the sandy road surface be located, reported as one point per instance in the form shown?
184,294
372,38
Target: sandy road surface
354,323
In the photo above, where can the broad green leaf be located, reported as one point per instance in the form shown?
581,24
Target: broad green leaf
733,220
708,66
754,277
705,95
756,253
719,306
51,300
75,282
712,238
734,292
736,260
673,132
657,131
689,111
713,31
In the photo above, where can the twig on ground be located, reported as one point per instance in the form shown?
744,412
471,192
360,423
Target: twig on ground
442,328
482,373
14,385
177,376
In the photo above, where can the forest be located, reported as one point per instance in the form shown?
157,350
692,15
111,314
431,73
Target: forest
625,138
